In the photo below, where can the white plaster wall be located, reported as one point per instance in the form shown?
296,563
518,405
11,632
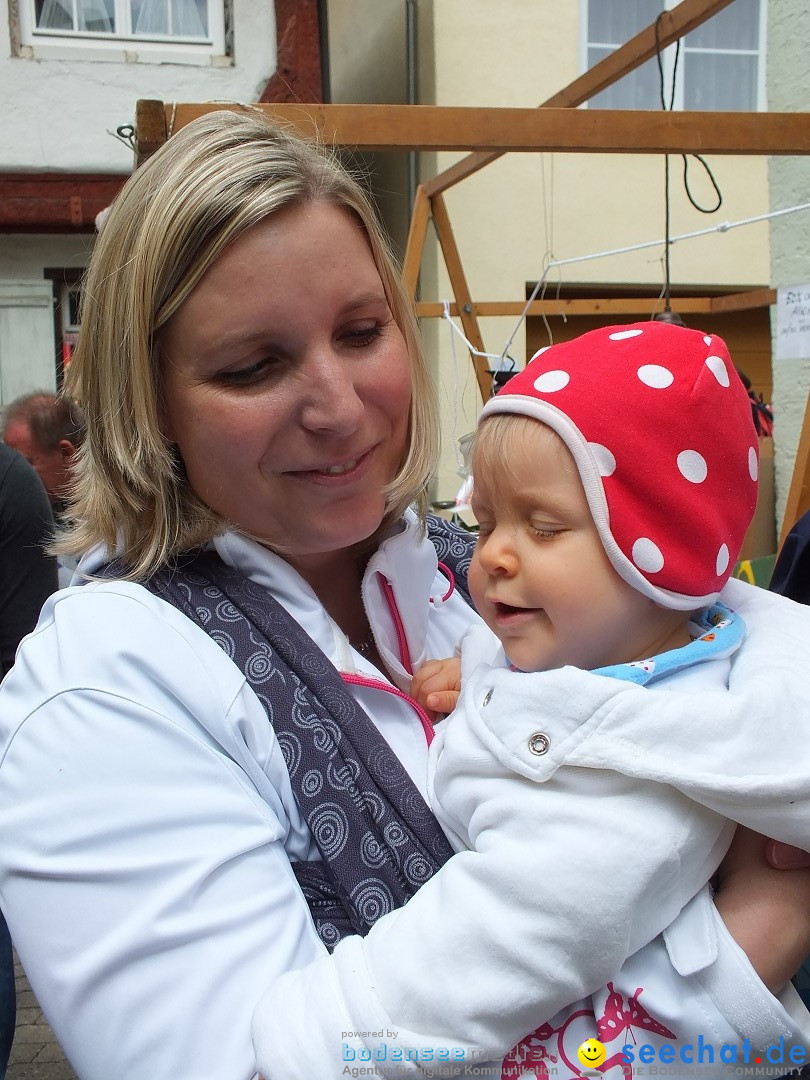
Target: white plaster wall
788,89
27,345
26,338
56,114
26,256
515,212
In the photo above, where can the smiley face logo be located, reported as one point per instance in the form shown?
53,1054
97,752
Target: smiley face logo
592,1053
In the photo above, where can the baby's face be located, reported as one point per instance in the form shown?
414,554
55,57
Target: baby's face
540,577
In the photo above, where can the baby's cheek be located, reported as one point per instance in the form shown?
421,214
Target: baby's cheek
476,580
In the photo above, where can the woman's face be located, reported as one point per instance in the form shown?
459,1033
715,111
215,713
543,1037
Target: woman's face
287,384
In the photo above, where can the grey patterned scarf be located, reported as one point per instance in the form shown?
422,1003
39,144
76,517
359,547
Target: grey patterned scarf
377,837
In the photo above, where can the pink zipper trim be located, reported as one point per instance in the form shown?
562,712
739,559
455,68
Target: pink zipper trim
451,577
402,641
376,684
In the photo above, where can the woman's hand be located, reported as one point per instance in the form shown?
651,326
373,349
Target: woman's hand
766,910
785,856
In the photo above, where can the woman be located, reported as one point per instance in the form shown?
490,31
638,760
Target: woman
253,384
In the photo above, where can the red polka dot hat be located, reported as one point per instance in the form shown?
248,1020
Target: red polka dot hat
659,425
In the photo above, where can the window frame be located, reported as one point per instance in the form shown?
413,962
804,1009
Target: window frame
44,44
668,56
66,282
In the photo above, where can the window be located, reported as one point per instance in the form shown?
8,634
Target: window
101,29
720,67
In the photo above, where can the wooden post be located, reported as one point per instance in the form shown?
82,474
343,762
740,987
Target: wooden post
798,500
416,242
150,128
461,292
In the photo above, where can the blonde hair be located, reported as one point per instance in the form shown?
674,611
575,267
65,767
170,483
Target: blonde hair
213,180
500,440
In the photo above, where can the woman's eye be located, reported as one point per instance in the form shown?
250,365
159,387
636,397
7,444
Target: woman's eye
362,335
246,375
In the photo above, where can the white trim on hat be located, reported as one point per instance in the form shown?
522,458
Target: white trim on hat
585,461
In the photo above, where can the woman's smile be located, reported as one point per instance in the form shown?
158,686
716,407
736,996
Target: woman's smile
349,469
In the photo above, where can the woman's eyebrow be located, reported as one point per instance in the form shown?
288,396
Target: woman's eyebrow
365,300
236,341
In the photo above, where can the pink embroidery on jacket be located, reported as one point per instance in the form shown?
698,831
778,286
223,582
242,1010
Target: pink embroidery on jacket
620,1017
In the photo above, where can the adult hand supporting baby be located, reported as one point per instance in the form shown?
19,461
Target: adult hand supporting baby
766,911
785,856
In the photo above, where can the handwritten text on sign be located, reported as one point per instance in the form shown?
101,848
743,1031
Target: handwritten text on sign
793,322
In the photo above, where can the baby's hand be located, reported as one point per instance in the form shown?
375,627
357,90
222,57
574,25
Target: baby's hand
437,684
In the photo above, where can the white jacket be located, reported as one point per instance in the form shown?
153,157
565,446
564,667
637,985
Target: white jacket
572,859
147,817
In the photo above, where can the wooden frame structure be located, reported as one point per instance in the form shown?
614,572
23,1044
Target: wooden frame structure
554,126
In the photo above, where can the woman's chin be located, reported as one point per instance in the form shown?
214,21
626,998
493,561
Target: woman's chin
348,533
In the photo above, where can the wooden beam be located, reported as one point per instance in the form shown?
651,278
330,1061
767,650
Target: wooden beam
671,26
436,127
614,305
458,283
417,233
743,301
798,499
55,202
151,129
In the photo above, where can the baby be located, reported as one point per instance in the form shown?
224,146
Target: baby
592,772
613,482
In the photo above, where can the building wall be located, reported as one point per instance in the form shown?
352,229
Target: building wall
788,89
367,65
28,352
524,208
59,115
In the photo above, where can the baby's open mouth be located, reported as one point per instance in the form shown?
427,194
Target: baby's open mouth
509,609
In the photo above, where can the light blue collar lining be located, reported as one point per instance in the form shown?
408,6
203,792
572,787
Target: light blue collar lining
719,632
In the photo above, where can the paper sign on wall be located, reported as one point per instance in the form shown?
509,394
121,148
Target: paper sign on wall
793,322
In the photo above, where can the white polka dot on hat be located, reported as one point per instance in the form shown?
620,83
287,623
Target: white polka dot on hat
659,425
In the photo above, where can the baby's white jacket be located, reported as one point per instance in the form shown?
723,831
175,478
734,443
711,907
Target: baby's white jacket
570,861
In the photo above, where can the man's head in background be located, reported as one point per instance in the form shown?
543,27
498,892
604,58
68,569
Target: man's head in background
46,429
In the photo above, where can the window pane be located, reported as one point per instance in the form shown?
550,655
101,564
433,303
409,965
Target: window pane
735,27
174,18
54,14
190,18
150,17
612,22
97,16
71,301
638,90
720,81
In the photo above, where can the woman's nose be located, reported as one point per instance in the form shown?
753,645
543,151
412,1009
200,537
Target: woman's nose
331,399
